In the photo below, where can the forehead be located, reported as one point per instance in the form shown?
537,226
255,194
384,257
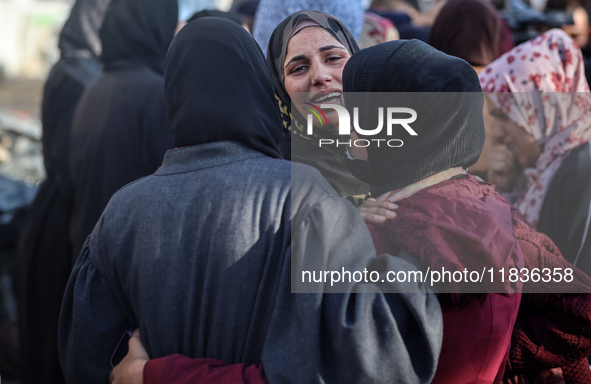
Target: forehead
309,40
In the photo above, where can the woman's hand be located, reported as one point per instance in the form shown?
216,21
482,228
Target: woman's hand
503,167
377,211
131,369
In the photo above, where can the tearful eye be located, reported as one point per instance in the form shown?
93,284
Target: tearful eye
298,68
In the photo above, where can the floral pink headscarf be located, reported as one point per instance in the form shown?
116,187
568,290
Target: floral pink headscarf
541,86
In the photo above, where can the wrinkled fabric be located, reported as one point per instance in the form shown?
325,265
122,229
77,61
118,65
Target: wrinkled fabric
541,86
446,98
138,32
216,281
202,110
456,224
270,14
468,29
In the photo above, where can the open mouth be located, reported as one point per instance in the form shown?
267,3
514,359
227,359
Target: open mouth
328,98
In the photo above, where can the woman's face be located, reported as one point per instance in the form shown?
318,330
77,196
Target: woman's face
505,132
314,64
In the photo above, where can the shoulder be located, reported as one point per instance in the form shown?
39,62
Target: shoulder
309,186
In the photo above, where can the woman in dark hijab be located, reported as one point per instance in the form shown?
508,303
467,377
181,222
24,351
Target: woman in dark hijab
448,217
119,132
315,79
44,257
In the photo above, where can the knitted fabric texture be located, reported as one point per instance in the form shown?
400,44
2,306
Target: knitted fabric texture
443,91
553,328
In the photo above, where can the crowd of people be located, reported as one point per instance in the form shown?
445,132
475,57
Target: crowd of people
188,190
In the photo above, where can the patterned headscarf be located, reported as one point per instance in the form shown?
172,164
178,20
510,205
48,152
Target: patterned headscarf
541,86
377,30
278,49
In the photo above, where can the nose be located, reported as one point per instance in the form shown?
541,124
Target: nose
499,133
320,74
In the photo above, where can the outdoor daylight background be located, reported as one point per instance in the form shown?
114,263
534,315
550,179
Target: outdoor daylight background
29,31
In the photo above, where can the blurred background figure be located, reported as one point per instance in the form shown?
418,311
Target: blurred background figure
119,131
44,255
189,7
540,103
247,9
412,18
232,16
36,33
376,30
272,12
472,30
28,28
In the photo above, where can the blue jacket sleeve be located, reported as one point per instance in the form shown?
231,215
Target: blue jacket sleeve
90,316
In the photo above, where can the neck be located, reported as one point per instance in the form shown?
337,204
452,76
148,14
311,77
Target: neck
410,190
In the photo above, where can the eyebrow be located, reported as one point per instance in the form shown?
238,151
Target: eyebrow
329,47
295,58
321,49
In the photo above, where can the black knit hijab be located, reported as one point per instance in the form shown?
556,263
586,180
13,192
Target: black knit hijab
138,32
218,88
449,125
278,49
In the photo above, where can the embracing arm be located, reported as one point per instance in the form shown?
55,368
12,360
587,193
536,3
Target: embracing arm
137,368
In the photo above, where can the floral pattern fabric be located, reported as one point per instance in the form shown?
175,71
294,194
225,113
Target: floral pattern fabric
541,86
